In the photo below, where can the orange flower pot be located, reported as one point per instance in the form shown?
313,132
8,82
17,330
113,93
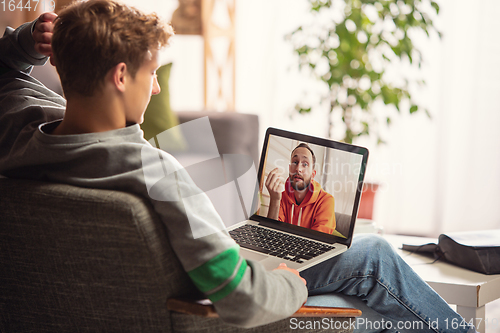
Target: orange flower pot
365,210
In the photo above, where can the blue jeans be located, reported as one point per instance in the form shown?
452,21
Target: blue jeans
391,295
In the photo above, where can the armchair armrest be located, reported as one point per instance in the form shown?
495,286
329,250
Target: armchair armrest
205,309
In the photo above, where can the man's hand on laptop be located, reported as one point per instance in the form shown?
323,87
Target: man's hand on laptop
42,33
283,266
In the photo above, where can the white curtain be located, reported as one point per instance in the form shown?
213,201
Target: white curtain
469,172
447,170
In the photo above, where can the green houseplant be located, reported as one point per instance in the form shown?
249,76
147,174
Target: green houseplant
349,45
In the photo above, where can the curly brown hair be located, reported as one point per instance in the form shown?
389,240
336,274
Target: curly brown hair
92,37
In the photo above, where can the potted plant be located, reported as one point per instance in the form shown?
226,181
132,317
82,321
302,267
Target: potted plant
349,45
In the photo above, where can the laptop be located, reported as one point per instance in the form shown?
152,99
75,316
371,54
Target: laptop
298,236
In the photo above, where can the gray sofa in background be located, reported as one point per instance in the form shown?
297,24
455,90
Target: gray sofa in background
236,136
235,133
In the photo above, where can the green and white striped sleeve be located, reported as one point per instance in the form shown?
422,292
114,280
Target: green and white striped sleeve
219,276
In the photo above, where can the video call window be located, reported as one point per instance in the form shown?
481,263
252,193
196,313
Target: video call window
329,193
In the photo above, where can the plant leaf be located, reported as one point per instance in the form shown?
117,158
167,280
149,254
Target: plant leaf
435,6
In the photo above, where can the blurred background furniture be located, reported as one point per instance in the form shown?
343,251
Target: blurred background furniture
87,260
235,133
214,21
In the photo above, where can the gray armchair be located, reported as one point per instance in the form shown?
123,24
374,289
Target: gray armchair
87,260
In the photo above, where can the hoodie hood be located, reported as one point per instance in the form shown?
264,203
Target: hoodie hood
316,211
312,195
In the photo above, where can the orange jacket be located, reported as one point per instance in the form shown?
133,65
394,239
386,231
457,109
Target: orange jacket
315,212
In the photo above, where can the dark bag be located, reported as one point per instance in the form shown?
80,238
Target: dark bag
478,251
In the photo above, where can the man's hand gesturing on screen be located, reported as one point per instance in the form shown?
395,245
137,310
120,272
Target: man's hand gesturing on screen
274,185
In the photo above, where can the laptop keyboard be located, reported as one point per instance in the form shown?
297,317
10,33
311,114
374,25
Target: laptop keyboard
278,244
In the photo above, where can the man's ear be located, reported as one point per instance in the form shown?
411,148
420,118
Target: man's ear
313,174
119,76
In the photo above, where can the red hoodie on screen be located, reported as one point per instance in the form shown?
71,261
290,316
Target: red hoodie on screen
315,212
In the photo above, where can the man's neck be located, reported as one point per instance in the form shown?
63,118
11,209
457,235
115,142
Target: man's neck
300,195
90,115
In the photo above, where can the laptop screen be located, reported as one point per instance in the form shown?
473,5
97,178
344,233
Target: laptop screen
310,182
